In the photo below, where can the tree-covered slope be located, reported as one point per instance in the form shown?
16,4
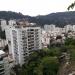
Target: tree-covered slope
59,18
11,15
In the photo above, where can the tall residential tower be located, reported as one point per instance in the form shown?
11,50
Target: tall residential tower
24,40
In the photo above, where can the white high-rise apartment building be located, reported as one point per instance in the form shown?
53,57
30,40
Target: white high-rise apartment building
23,40
74,28
49,27
68,28
11,22
3,24
4,64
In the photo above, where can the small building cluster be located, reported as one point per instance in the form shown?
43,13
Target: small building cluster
50,34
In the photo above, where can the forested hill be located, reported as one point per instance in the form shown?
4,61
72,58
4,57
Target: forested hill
59,18
11,15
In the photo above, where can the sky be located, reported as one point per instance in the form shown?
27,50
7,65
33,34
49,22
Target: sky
35,7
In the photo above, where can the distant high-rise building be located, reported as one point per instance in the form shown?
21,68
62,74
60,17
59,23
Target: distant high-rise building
12,22
49,27
68,28
73,27
3,24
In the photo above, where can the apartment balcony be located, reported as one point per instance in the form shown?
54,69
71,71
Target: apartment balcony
30,30
30,36
30,51
2,68
36,32
1,65
25,54
25,51
2,73
36,39
30,40
29,48
36,29
24,44
25,59
30,45
24,38
36,35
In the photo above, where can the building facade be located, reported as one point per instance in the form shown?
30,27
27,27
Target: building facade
23,41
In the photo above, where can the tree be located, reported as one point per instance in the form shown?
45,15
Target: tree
50,65
43,62
38,70
70,41
71,6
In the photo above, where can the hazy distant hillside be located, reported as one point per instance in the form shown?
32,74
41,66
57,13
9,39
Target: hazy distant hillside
60,18
11,15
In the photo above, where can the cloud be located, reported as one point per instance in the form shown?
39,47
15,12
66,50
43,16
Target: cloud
35,7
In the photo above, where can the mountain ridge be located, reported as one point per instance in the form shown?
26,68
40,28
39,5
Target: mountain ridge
60,19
